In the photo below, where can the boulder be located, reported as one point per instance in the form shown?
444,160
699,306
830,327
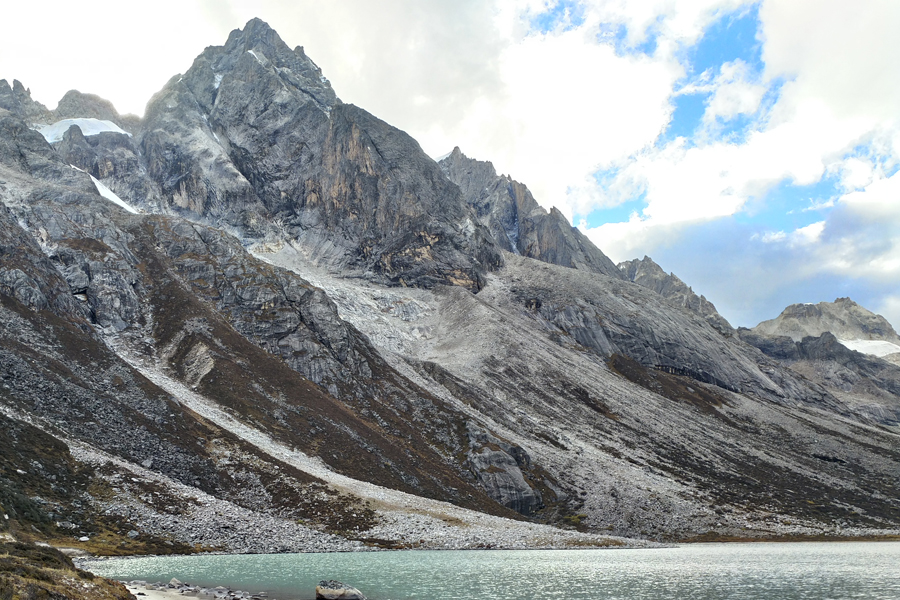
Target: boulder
335,590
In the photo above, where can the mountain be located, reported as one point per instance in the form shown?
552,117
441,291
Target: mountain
16,99
856,327
841,346
254,137
261,320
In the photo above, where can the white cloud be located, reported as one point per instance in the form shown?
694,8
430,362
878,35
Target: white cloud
804,236
736,92
771,237
879,201
95,47
856,173
858,240
841,93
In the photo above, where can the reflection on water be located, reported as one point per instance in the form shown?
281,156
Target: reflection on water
770,571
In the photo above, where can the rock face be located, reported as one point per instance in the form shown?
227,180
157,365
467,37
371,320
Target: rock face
498,466
309,306
648,274
518,223
868,384
114,160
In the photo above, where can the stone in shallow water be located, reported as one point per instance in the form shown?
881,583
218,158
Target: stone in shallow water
335,590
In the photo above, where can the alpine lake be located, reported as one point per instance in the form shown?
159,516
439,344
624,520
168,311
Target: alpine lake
770,571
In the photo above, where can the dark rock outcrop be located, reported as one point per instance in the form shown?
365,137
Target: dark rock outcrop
498,466
114,159
75,105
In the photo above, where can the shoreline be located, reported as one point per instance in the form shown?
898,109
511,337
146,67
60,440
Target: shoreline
84,560
142,592
145,590
160,591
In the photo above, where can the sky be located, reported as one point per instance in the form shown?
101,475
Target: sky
752,148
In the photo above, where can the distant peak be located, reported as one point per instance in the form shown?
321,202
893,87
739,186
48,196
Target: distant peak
844,318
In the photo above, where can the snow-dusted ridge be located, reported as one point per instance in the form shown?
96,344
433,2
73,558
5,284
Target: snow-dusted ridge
54,133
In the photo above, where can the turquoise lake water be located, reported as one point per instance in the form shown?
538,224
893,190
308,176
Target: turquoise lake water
770,571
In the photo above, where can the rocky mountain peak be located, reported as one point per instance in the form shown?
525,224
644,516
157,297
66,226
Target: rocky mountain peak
17,100
518,223
253,136
259,46
642,269
646,273
76,105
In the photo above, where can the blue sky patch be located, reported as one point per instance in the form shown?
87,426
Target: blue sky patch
730,38
564,15
613,214
687,117
788,206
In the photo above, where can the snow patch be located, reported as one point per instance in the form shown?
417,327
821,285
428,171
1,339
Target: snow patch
218,80
256,56
54,133
878,348
111,196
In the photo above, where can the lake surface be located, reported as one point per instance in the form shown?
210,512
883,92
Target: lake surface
770,571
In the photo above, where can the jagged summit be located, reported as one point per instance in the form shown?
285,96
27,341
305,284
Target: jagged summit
645,272
254,137
518,223
17,100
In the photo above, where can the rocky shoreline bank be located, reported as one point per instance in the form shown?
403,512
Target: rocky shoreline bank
165,591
